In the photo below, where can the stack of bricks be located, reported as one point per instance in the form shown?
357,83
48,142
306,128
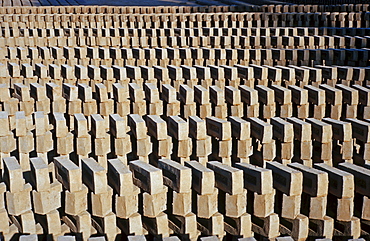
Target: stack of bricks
188,73
150,58
201,97
329,73
18,198
186,56
363,101
264,148
201,142
38,92
69,55
81,54
360,131
261,198
162,75
134,74
100,198
205,200
342,140
126,202
219,106
100,139
322,141
341,197
267,97
300,102
218,75
54,93
316,99
260,74
288,75
23,124
274,74
46,55
333,101
138,105
140,141
302,141
67,73
179,199
4,76
64,139
283,98
188,106
232,199
15,73
127,56
220,131
175,74
105,61
94,75
178,129
350,98
121,101
233,99
82,138
42,135
8,142
170,103
249,97
283,133
147,72
314,199
106,104
162,55
162,142
231,75
75,197
120,140
55,74
245,74
116,55
203,73
360,176
153,199
154,103
46,198
93,55
10,104
242,142
74,104
288,184
89,104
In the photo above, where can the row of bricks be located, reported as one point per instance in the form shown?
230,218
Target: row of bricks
184,23
247,42
320,19
185,9
291,73
218,128
342,98
287,140
185,32
181,56
151,179
179,144
115,9
308,8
